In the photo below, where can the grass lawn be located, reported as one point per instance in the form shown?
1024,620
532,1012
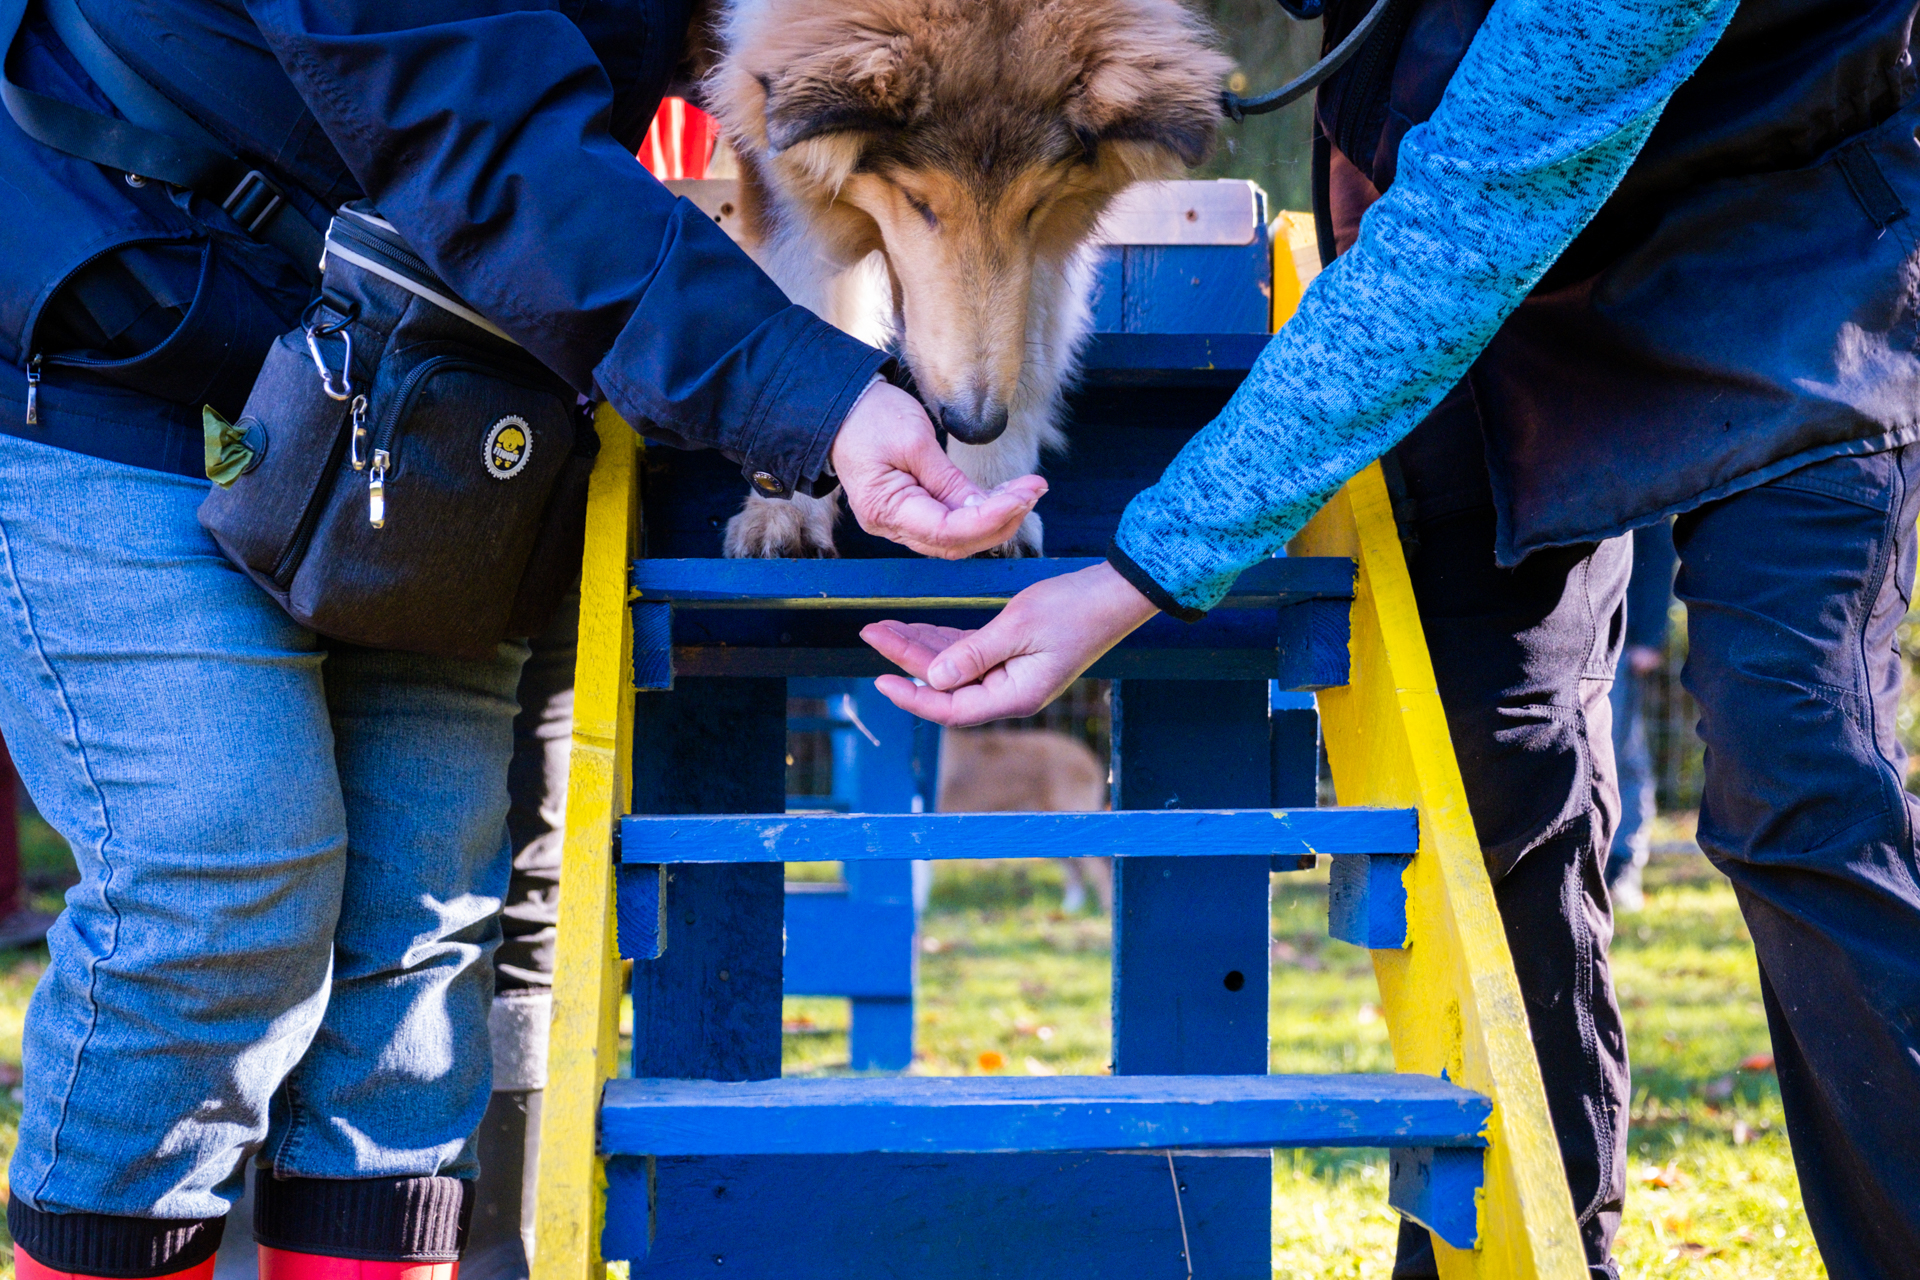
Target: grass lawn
1009,984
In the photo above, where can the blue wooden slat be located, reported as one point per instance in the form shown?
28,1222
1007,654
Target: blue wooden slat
1201,360
1109,285
710,1005
1057,1216
926,584
1199,289
640,894
1367,902
653,647
1313,645
1168,833
1435,1187
881,1035
838,946
923,1115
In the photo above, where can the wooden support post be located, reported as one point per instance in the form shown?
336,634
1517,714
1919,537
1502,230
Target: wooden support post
586,985
1451,999
1190,935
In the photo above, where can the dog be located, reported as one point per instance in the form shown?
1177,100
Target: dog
928,175
1029,771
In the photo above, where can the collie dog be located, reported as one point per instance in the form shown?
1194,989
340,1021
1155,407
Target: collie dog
928,174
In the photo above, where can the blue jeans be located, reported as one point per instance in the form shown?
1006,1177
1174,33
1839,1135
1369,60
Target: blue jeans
291,857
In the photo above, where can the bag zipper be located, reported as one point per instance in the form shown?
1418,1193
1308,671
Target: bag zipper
388,425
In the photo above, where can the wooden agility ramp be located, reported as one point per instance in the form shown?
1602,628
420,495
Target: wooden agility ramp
709,1163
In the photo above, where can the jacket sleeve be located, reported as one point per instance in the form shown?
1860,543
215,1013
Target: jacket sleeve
1548,109
482,132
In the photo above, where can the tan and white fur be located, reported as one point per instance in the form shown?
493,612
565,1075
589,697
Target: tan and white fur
928,174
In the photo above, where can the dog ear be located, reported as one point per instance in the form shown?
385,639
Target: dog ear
1123,102
863,86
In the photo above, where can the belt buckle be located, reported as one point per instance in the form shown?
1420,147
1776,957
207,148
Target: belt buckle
253,200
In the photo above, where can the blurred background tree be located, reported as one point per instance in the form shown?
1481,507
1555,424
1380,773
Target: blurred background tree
1272,150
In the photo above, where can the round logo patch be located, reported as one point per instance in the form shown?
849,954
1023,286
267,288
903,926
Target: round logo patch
509,445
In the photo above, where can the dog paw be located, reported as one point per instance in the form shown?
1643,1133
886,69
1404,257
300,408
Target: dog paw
1024,545
800,528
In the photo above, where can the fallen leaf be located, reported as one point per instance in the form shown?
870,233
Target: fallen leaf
9,1074
992,1061
1741,1134
1654,1175
1757,1062
931,945
1718,1090
1044,1033
1367,1016
1035,1067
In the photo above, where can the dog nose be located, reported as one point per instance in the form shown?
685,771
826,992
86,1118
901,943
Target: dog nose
975,428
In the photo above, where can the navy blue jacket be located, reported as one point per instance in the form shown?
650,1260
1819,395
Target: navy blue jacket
498,135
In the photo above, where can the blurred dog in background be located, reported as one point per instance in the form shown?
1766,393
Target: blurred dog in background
1029,771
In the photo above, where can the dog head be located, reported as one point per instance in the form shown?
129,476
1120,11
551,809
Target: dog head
974,143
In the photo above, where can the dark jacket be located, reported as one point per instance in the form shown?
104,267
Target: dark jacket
1739,308
498,135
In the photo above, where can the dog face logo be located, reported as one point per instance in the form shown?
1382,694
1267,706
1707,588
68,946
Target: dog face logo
509,445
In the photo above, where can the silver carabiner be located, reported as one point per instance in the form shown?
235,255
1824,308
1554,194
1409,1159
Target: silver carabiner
344,391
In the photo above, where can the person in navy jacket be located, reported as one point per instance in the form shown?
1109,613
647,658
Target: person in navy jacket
292,851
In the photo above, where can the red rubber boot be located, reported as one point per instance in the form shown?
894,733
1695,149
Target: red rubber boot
283,1264
25,1268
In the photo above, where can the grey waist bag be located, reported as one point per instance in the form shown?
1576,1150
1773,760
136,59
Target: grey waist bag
408,476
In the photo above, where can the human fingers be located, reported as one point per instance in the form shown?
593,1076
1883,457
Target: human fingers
909,646
1000,698
919,520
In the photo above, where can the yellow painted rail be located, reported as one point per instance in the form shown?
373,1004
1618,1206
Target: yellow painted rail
586,981
1451,999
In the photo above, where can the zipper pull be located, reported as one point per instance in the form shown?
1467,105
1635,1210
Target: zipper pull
357,442
33,392
377,491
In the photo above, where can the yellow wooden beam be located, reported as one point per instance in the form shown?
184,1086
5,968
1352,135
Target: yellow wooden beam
586,980
1451,999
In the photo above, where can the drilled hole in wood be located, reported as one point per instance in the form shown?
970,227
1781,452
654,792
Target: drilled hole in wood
1235,980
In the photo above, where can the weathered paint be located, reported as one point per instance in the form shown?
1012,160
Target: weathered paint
586,984
1439,1188
978,1114
1154,833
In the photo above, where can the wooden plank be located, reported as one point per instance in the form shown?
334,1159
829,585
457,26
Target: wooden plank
980,1114
1367,902
1193,289
1451,999
1196,360
709,1007
1438,1187
586,986
1169,834
1191,934
1071,1216
840,946
980,583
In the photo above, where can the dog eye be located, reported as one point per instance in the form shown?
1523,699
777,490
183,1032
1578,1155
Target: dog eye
926,211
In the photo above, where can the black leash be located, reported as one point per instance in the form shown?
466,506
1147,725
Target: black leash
1237,108
169,146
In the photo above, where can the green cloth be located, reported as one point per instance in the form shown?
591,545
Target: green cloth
228,455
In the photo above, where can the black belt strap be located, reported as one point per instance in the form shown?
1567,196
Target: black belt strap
167,145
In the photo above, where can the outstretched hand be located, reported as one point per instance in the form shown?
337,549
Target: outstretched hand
901,484
1016,664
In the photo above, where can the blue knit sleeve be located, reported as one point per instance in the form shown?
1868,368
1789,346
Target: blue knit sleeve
1549,107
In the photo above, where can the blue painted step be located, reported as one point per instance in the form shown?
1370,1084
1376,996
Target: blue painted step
647,839
925,584
949,1115
1285,619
